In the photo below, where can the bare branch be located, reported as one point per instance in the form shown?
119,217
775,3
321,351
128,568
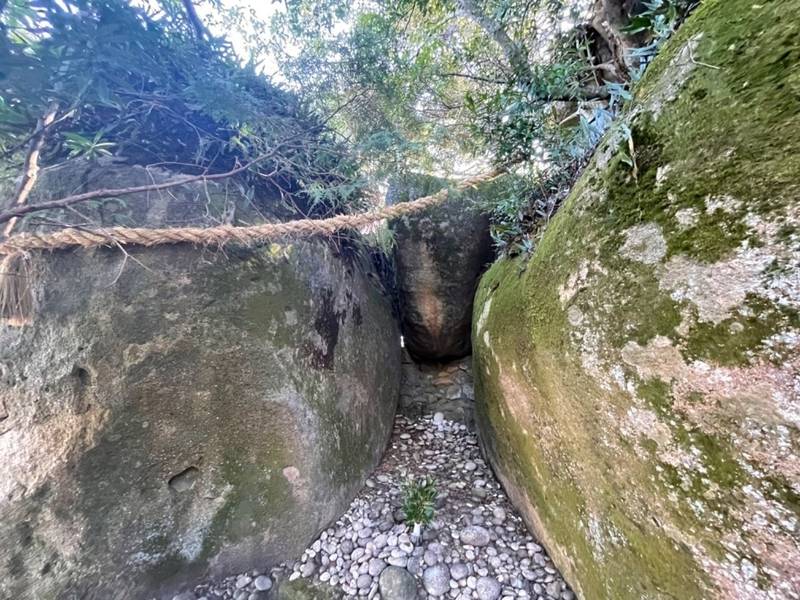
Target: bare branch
30,169
115,192
475,78
516,53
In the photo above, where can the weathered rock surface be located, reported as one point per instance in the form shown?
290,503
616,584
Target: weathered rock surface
440,254
186,413
638,380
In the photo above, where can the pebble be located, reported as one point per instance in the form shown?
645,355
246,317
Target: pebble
376,566
397,561
436,580
262,583
475,535
459,571
476,548
308,569
397,584
487,588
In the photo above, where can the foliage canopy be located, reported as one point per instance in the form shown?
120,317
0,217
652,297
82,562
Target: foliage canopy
370,89
149,86
440,84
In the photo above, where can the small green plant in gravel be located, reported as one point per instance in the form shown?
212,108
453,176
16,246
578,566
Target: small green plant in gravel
419,502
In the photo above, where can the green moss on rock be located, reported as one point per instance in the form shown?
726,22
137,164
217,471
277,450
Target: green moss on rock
634,377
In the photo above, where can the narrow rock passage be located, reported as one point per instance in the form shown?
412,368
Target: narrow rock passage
476,547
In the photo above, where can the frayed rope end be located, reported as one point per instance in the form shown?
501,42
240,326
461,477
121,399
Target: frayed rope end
16,293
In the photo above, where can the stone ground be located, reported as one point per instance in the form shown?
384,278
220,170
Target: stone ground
476,547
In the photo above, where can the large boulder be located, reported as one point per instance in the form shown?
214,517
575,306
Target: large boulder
178,413
440,254
638,380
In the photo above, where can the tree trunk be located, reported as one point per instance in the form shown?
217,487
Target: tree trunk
516,54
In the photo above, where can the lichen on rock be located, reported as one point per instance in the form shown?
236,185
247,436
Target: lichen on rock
638,379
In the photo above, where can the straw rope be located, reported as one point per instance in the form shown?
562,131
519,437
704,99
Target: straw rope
222,234
16,301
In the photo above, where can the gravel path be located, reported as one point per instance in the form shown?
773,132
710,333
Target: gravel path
476,547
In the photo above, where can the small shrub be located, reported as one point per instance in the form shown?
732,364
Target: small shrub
419,500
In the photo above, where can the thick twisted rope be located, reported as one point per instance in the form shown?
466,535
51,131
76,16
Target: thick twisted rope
16,301
222,234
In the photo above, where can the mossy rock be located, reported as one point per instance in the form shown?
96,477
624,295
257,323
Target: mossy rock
179,413
637,379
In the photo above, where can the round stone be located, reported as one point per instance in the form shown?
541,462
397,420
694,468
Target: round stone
363,581
553,589
376,566
474,535
308,568
263,583
488,588
397,584
459,571
436,580
243,581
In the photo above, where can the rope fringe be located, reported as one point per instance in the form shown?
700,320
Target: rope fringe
16,298
16,295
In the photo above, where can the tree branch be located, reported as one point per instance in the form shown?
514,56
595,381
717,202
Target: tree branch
19,211
475,78
30,169
516,54
194,20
